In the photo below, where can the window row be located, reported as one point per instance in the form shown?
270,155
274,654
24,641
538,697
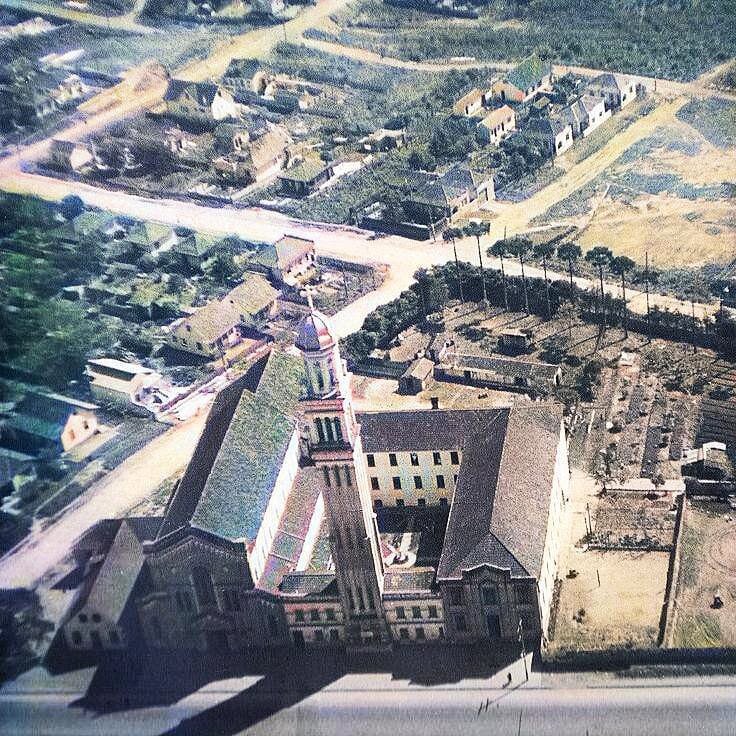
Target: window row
419,633
418,482
378,503
314,615
337,475
393,459
329,430
112,636
416,612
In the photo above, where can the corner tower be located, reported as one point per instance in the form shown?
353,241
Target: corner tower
332,438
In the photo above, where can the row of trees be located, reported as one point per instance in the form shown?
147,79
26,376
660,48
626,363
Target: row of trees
435,287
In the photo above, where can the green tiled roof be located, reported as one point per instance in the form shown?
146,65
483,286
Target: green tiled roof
529,73
240,484
306,171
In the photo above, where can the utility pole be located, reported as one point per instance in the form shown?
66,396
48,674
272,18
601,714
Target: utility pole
646,281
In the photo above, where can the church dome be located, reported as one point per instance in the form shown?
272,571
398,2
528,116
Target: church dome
314,333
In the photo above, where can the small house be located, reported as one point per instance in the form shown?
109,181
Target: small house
305,178
416,377
47,424
497,125
286,261
554,134
585,115
524,81
126,386
220,325
470,103
202,100
382,140
617,90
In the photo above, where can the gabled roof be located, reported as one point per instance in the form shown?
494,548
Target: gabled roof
213,320
545,126
497,116
269,145
229,481
505,366
307,171
500,507
284,252
203,92
610,81
529,73
147,233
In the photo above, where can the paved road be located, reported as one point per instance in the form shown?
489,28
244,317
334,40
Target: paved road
113,496
375,704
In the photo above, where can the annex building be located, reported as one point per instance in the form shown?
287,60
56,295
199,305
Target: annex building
300,522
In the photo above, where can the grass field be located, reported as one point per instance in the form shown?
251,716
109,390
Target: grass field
671,194
707,568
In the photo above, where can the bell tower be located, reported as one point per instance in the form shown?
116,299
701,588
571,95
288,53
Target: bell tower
332,443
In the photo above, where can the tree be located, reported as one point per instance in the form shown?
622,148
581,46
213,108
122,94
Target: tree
432,291
519,247
222,268
600,257
449,235
71,206
545,251
621,265
570,252
478,229
499,250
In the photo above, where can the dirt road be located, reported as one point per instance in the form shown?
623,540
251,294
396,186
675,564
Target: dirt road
114,495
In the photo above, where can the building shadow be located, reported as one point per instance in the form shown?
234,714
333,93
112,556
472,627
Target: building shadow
126,681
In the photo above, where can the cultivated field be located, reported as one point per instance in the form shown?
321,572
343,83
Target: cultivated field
707,569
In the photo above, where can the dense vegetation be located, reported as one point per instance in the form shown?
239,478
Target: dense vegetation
678,39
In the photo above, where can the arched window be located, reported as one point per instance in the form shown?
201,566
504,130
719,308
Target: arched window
203,587
320,377
338,429
329,432
320,430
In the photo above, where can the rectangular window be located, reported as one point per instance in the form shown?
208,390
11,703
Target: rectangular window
454,458
326,473
371,460
418,482
456,596
334,635
204,589
421,502
437,458
414,459
400,502
314,615
420,633
416,612
348,477
374,483
319,635
433,611
443,502
299,616
338,477
440,481
400,612
489,594
392,459
397,483
330,613
460,623
403,633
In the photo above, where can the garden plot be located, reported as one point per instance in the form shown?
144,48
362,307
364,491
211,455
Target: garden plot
624,521
707,571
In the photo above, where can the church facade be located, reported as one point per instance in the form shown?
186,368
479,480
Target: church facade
300,522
